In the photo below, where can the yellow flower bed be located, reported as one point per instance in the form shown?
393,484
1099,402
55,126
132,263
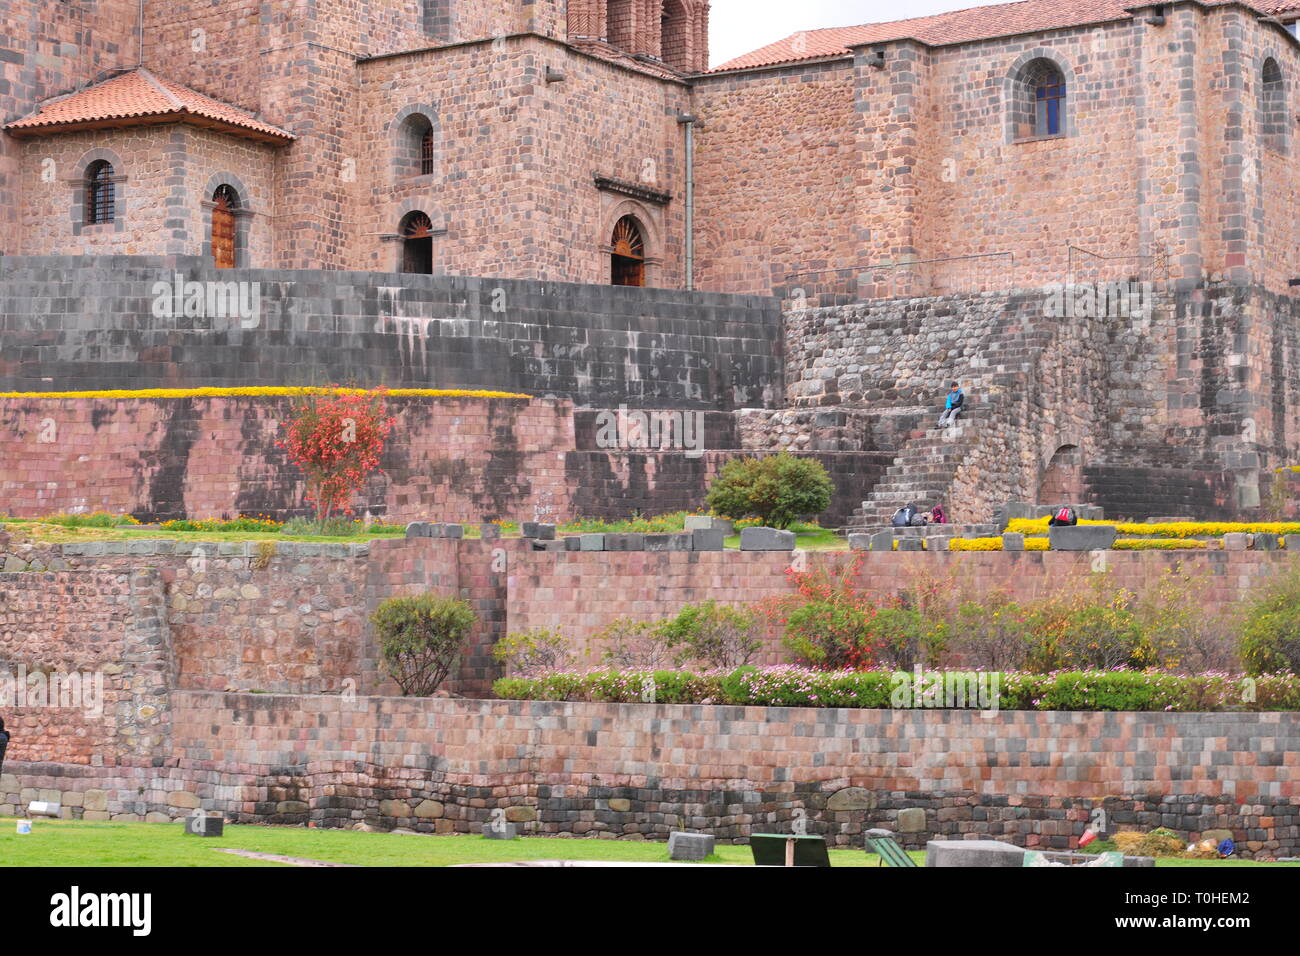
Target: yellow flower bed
1175,529
267,391
993,544
1148,544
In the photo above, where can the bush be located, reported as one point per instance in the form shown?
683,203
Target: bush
777,489
714,635
1270,641
994,636
98,519
420,638
635,645
542,650
788,686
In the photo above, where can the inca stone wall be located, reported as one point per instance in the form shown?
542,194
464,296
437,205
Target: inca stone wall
638,771
105,322
87,664
1180,410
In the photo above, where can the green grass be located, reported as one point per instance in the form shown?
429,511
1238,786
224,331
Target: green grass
81,843
811,537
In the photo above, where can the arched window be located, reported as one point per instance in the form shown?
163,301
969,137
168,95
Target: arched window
1039,104
416,231
627,260
674,33
1049,99
418,146
101,193
1272,107
225,202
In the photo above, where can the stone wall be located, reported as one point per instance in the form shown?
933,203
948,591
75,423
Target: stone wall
637,771
100,322
581,593
242,617
1195,396
460,459
68,637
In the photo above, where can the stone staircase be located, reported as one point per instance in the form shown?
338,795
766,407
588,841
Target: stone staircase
923,474
926,468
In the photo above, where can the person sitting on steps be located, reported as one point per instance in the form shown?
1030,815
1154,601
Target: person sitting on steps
953,407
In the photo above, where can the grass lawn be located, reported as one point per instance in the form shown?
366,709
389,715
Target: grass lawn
79,843
810,536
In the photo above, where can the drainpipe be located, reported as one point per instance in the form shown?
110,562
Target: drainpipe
689,120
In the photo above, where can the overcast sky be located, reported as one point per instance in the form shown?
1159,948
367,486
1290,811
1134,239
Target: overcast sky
738,26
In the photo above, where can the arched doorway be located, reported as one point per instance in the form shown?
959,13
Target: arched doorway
1063,478
627,261
417,243
225,202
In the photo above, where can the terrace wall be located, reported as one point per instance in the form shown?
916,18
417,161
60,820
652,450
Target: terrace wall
637,771
97,322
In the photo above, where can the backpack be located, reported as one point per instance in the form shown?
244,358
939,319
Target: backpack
902,517
1065,516
918,521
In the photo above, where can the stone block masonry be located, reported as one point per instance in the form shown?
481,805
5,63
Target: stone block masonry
91,322
640,771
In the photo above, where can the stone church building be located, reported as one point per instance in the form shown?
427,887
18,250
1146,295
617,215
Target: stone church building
906,190
589,141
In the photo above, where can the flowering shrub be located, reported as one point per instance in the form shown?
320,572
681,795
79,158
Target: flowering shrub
994,544
877,689
242,523
1158,544
337,439
829,623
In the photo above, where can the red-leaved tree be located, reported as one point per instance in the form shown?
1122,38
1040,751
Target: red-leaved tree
337,438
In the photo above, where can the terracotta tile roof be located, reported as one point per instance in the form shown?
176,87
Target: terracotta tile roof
140,98
961,26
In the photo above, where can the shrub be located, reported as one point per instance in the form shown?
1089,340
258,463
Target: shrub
993,636
635,645
542,650
787,686
420,638
715,635
98,519
337,439
777,489
1270,641
827,622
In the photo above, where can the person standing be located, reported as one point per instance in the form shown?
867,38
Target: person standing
953,407
4,743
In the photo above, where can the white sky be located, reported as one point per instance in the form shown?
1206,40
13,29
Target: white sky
739,26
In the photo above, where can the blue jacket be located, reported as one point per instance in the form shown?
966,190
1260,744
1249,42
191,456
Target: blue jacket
955,400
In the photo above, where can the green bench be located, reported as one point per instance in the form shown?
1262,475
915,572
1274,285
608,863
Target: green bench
883,844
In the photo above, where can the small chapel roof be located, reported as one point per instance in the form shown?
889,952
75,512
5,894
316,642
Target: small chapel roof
137,98
964,26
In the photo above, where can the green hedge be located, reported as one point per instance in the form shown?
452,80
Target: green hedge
880,689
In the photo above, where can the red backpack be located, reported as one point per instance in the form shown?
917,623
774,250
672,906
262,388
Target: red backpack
1066,516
